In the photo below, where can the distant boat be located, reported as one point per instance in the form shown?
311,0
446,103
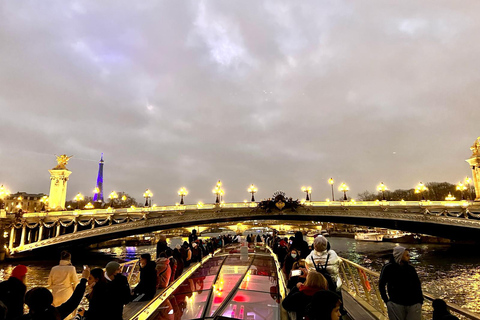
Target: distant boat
369,236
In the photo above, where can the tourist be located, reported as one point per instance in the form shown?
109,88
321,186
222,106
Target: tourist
405,297
290,259
164,271
192,237
186,252
146,288
12,292
300,244
440,311
178,257
118,290
325,305
97,298
173,264
297,274
162,245
63,280
196,252
321,257
39,301
301,295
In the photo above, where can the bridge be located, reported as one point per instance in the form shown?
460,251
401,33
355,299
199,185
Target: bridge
457,220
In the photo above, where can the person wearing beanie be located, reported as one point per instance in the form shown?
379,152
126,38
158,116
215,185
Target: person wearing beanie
62,279
325,305
404,299
12,292
39,300
319,256
118,291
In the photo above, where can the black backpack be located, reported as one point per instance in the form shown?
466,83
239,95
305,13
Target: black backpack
332,285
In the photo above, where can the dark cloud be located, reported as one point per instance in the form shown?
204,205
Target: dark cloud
275,93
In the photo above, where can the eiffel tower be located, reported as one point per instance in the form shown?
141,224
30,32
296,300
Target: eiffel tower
98,197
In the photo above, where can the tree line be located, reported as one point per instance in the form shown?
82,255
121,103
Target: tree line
437,191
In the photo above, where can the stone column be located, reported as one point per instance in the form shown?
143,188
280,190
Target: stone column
474,163
12,238
40,232
58,229
22,238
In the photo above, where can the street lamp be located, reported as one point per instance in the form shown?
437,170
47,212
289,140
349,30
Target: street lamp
252,189
218,191
147,195
182,193
382,188
113,195
449,197
420,189
308,191
78,198
330,181
124,200
461,187
44,201
344,188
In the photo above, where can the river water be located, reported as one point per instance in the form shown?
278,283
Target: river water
448,271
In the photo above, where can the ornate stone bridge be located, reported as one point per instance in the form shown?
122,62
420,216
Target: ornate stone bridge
33,231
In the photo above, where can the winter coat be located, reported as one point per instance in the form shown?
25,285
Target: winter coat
164,272
62,281
117,294
12,293
402,283
300,245
148,281
173,268
298,299
97,299
320,258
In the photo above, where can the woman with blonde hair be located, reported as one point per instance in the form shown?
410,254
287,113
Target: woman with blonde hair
302,294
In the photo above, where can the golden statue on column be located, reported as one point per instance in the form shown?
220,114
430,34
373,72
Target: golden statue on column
58,183
474,163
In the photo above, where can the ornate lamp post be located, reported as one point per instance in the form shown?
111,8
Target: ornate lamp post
461,187
420,189
467,183
330,181
252,189
308,191
147,195
218,191
78,198
182,193
381,187
113,195
124,200
44,201
344,188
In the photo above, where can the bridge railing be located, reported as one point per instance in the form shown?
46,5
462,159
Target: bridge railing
362,284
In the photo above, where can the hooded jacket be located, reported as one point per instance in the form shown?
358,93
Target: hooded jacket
164,272
320,258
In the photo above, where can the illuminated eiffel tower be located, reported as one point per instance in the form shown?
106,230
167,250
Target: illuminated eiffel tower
98,197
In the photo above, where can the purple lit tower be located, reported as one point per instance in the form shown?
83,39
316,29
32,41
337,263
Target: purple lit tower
98,197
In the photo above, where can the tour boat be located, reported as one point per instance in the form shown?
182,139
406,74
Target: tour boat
369,236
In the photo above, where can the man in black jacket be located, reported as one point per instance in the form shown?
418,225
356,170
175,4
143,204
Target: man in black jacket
148,278
405,297
117,291
12,292
162,245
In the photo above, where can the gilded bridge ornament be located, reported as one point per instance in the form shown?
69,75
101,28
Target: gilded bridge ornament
62,161
476,148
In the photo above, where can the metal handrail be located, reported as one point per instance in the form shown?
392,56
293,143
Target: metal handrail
362,284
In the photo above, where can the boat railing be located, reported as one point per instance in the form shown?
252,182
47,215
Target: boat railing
131,269
362,284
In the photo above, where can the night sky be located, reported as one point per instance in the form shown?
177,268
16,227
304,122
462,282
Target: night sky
276,93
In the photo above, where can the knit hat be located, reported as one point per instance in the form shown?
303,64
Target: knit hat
111,267
19,272
398,253
320,243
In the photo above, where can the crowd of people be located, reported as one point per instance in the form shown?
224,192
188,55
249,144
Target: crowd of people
312,275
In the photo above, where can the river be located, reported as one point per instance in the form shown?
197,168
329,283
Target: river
448,271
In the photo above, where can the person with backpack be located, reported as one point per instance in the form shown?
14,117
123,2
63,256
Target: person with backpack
301,295
325,261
